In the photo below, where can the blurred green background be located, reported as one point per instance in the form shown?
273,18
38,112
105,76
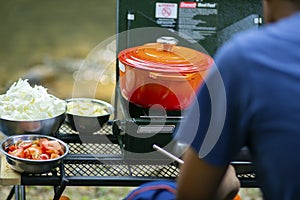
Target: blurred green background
42,39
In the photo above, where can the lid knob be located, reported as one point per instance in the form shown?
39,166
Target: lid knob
167,42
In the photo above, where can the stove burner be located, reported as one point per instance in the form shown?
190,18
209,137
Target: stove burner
156,111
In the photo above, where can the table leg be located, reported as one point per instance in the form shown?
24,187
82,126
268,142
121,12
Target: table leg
18,191
60,189
11,193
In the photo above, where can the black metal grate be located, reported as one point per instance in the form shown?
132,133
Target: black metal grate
95,169
246,176
102,149
161,171
98,159
105,159
64,129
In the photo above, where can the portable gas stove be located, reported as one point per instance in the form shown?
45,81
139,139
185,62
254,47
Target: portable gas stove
138,129
208,23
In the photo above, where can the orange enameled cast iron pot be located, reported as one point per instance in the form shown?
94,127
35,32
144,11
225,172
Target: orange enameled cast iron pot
162,73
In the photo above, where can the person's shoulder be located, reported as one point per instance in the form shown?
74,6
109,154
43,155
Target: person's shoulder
259,38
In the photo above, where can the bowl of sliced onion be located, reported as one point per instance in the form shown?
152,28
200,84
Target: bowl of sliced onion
87,115
30,110
32,153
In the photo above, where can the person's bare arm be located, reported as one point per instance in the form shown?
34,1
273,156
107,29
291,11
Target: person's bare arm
200,180
229,186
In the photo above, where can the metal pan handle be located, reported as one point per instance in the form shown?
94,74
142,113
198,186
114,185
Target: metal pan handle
170,77
167,42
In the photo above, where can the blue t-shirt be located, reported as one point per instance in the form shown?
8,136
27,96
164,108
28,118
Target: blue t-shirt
252,97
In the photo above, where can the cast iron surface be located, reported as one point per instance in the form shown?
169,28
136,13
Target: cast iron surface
99,162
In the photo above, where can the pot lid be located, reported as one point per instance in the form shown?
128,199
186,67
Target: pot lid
165,56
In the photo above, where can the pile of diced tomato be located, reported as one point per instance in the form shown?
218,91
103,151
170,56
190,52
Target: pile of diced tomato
39,149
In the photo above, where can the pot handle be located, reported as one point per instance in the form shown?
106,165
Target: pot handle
167,42
169,77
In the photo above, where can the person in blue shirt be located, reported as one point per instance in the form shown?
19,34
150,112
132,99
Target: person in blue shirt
251,97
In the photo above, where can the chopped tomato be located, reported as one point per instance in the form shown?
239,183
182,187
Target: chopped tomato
40,141
32,152
17,152
12,148
51,146
44,156
40,149
25,144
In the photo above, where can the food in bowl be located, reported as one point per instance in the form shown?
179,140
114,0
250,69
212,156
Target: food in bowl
26,109
38,149
33,153
23,102
86,115
84,107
